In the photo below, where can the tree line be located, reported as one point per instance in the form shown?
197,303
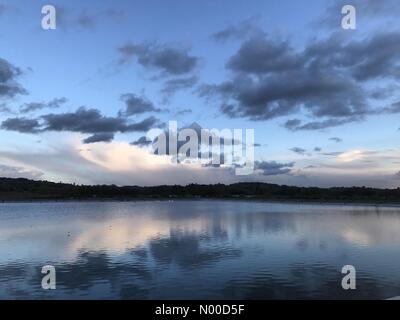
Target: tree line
25,189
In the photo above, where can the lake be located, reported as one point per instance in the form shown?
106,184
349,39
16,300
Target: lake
205,249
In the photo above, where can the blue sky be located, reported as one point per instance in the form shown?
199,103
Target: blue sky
100,52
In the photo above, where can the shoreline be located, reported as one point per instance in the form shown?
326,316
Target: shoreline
272,201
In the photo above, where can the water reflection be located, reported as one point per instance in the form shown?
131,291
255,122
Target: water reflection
198,249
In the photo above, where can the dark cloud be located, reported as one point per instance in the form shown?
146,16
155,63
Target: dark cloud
239,31
183,112
317,149
310,167
5,109
83,120
141,142
336,139
299,150
22,125
332,154
34,106
292,124
194,126
9,87
229,110
92,121
327,80
393,108
203,141
137,105
144,125
99,137
296,125
260,55
380,93
366,59
172,86
168,59
268,97
273,168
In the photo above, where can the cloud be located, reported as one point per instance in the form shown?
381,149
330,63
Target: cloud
392,109
92,121
296,124
166,134
123,164
99,137
292,124
9,87
142,142
260,55
83,120
336,139
22,125
34,106
273,168
332,154
353,167
329,79
111,163
136,105
239,31
268,97
183,112
144,125
19,172
165,58
171,86
298,150
370,58
201,144
5,109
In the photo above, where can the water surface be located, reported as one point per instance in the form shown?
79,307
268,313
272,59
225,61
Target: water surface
198,250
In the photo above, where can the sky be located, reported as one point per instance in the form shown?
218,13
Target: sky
324,102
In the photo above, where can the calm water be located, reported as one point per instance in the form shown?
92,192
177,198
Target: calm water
198,249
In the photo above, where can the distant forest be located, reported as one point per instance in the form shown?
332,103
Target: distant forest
24,189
